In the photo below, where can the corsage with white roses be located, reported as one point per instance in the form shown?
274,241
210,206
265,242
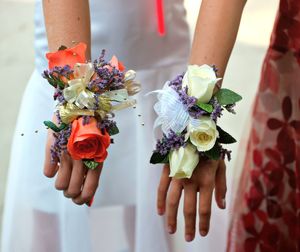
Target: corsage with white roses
188,109
87,95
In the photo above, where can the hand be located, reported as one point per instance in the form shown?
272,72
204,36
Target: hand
208,175
74,179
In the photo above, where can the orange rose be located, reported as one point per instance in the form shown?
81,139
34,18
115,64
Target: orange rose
87,141
69,56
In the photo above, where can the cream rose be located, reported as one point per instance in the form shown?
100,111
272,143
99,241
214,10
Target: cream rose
204,134
201,81
183,161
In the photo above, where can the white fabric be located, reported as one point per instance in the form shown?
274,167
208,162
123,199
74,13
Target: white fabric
38,218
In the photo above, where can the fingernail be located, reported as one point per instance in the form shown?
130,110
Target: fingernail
224,203
170,229
89,204
160,211
203,232
188,238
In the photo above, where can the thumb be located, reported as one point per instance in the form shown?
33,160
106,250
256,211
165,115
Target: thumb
220,185
50,166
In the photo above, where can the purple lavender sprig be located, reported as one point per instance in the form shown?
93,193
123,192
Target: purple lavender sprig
188,101
107,124
217,111
169,142
60,143
108,76
56,76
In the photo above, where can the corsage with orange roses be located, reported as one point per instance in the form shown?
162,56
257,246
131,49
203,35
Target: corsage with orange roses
188,108
87,94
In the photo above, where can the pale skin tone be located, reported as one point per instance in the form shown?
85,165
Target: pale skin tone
67,22
214,38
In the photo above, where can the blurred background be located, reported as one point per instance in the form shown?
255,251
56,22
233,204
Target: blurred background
17,58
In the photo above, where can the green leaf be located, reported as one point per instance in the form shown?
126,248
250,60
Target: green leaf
54,127
113,130
224,137
214,153
62,47
206,107
157,158
226,96
91,164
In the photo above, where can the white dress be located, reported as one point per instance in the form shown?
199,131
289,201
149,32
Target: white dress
37,217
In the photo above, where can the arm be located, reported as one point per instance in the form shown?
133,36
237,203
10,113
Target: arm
67,21
214,38
216,30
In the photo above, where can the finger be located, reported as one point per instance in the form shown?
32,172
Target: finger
205,200
162,190
189,210
77,179
173,199
220,185
64,172
50,166
90,186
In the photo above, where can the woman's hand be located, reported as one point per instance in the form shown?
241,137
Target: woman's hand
208,175
74,179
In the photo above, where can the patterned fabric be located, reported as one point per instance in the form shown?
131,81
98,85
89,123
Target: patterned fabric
266,213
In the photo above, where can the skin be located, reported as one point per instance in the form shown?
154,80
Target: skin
68,21
214,38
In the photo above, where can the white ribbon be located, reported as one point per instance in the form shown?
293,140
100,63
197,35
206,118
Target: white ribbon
77,92
172,114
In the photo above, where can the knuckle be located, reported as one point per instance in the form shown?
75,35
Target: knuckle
189,213
172,203
60,186
208,182
87,196
72,193
205,213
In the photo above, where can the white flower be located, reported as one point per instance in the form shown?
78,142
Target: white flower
201,81
203,133
183,161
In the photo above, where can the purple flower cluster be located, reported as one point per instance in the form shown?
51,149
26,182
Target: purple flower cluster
56,76
108,76
188,101
169,142
58,95
60,143
107,124
217,112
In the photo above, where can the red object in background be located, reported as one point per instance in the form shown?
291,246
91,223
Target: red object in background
160,17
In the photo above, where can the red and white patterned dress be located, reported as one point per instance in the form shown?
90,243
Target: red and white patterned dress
266,213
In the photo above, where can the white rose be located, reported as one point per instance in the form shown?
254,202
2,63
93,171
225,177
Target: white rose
183,161
201,81
204,134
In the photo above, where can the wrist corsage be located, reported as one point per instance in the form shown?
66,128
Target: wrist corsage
87,95
188,108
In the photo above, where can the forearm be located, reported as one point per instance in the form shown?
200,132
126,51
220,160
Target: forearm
67,21
216,31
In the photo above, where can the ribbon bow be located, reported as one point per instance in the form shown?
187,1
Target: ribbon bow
77,92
